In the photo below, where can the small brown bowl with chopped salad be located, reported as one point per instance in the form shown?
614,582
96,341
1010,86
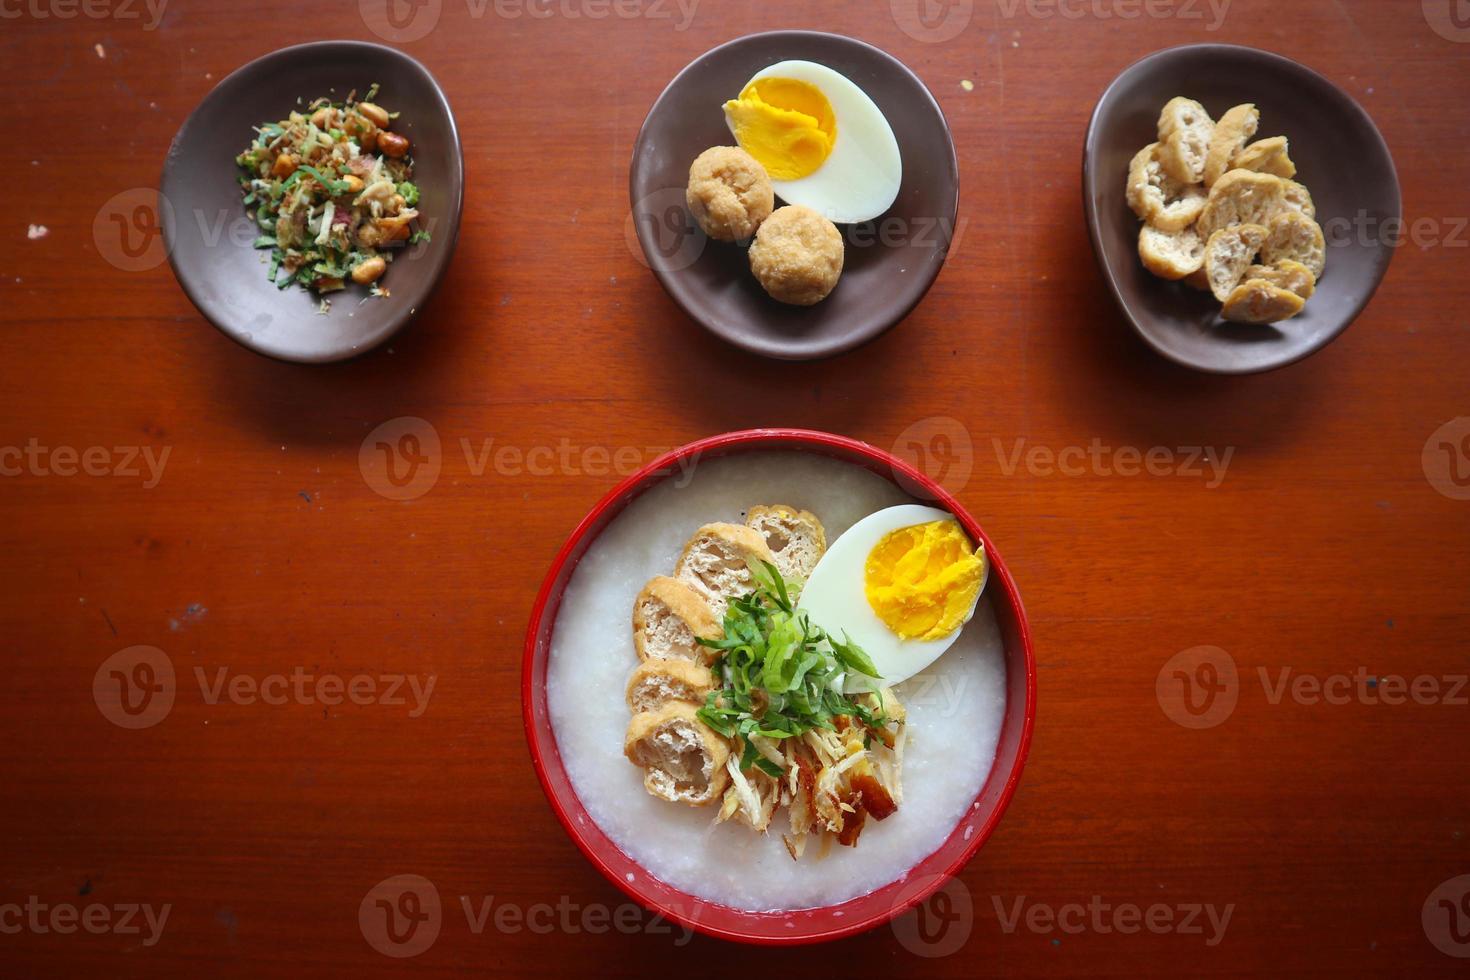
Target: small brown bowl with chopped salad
311,202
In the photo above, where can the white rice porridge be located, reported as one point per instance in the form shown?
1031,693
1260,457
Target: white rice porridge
954,708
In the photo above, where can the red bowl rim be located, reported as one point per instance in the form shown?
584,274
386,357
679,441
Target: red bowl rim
570,812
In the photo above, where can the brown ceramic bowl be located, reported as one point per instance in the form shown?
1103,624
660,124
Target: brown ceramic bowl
209,233
890,262
1340,157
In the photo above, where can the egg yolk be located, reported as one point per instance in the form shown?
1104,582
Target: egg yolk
785,124
923,580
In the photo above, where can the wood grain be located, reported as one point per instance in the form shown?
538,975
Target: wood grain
261,549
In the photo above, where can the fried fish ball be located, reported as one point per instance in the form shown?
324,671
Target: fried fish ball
729,193
797,255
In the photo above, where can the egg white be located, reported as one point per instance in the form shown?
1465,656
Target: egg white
835,599
860,178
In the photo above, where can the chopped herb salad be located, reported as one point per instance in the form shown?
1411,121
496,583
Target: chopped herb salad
332,190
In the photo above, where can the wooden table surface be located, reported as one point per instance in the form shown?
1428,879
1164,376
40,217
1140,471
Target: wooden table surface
1326,814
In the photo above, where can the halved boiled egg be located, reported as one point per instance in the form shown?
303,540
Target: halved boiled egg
824,143
900,583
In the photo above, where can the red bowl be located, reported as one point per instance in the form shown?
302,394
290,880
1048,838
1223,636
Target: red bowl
801,925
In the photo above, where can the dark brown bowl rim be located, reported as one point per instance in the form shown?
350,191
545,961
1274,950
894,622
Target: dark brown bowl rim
414,303
1089,149
774,349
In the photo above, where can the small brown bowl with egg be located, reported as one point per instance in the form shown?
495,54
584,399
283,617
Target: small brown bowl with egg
887,182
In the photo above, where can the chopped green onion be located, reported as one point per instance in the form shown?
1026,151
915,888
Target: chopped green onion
773,653
332,186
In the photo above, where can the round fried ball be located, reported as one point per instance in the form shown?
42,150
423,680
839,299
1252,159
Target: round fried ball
729,193
797,255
